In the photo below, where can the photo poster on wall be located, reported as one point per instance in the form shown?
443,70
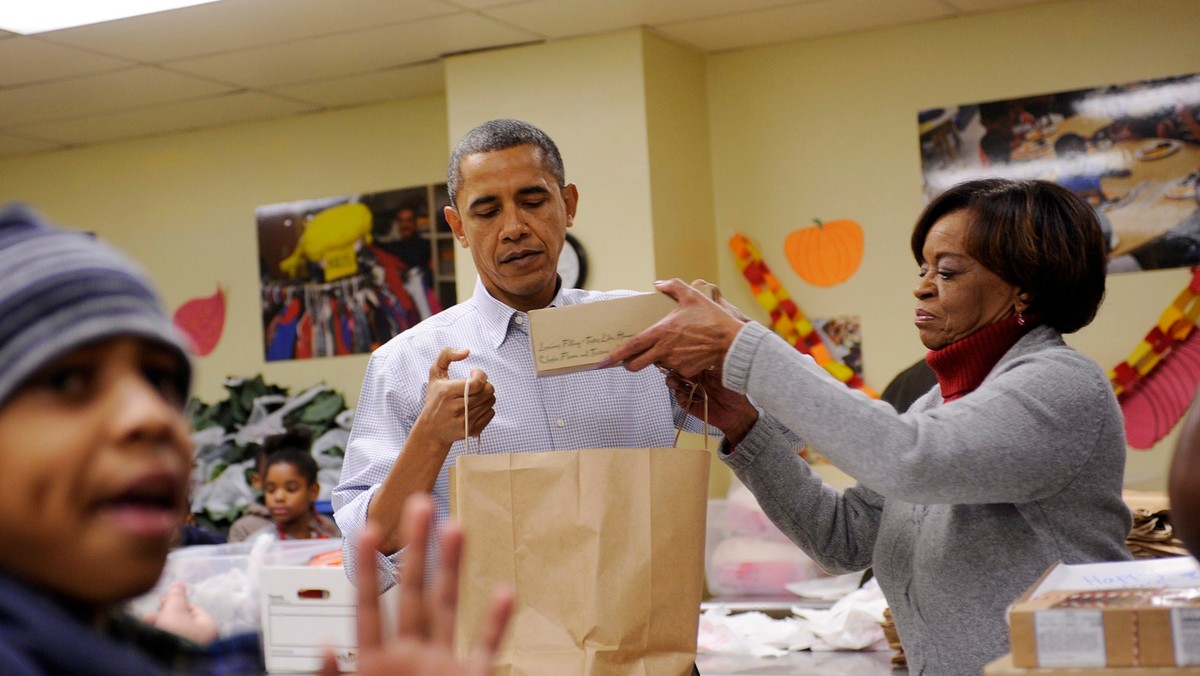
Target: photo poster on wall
1131,150
342,275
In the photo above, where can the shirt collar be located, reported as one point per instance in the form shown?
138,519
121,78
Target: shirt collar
498,317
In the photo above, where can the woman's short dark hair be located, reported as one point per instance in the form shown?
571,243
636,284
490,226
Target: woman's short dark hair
1036,235
301,460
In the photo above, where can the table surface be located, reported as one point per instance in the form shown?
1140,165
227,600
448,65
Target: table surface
862,663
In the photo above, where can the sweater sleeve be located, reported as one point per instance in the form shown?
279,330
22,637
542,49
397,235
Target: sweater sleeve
1023,435
837,529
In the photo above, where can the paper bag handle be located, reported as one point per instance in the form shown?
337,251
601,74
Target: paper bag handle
466,422
679,430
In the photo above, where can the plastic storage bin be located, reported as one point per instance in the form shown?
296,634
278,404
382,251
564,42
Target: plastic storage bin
746,555
225,579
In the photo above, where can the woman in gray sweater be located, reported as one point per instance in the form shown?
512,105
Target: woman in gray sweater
1015,461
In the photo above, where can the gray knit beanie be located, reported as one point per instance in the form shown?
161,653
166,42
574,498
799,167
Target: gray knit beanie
60,290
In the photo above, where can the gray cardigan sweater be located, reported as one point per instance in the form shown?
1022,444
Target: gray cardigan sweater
959,507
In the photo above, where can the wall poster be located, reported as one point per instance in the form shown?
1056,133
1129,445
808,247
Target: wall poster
1132,150
341,275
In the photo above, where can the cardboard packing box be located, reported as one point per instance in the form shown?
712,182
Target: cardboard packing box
577,337
308,608
1142,613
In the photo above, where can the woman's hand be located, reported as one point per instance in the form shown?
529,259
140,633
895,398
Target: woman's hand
728,411
693,338
424,641
442,415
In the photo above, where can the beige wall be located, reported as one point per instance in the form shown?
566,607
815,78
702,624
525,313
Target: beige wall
827,129
588,95
184,206
680,156
817,129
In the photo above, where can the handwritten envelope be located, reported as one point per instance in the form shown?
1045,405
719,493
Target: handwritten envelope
577,337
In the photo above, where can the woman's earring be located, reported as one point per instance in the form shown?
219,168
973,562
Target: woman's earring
1020,317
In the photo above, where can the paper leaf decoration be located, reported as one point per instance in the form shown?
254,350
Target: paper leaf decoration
202,320
827,253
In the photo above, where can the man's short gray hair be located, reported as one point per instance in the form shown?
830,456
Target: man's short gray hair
501,135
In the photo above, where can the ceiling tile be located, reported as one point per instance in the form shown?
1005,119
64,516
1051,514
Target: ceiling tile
238,24
385,85
355,53
978,6
804,21
24,60
563,18
15,145
174,117
76,98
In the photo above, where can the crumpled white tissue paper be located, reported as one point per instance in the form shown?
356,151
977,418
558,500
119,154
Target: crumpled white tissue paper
852,623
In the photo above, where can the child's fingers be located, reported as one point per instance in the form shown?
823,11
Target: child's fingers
418,512
497,622
445,592
329,665
370,633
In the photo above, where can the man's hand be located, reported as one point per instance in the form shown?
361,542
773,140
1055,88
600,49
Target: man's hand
440,424
424,641
442,415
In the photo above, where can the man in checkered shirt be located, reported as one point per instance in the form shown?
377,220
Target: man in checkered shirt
510,205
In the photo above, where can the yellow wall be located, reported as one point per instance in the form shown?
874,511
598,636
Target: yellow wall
824,128
827,129
184,206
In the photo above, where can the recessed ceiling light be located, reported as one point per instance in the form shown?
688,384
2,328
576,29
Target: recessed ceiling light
38,16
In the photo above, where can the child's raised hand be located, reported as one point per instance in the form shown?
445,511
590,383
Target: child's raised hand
424,642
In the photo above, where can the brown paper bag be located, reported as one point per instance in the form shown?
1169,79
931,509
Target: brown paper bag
604,549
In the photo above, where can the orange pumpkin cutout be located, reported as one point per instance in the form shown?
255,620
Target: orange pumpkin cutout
825,254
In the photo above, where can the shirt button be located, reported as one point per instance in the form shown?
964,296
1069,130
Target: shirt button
559,422
519,319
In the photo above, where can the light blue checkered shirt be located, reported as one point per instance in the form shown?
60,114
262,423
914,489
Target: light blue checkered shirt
608,408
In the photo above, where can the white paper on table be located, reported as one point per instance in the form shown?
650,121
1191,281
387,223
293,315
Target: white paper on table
853,623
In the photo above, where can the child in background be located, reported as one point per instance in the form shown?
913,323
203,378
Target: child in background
94,462
289,489
256,515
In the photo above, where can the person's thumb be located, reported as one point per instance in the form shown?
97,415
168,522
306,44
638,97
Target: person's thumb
441,366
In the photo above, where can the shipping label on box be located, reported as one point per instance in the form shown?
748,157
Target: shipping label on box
1123,614
578,337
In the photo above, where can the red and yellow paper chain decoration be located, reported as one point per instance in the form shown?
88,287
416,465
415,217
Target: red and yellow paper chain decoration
1175,324
786,318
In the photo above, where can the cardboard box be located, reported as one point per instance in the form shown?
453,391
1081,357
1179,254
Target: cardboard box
306,609
1124,614
578,337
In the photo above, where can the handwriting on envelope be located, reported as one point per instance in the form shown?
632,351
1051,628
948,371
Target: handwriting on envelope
577,337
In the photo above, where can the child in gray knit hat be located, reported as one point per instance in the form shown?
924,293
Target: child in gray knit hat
94,463
95,456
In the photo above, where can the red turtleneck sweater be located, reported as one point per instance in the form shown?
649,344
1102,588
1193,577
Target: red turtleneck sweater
962,365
